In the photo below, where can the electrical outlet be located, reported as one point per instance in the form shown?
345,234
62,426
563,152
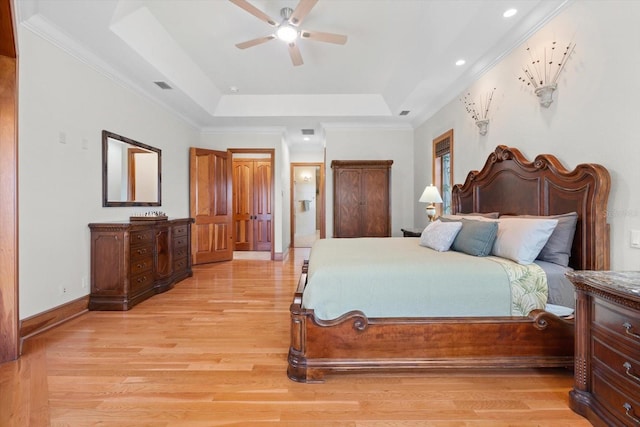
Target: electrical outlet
85,144
62,138
85,282
635,239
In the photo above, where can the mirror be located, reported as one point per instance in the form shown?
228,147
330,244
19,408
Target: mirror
130,172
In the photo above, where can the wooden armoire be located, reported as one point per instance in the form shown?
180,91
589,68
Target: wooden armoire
361,198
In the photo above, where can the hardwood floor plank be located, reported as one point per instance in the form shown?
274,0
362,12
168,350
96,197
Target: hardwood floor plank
213,352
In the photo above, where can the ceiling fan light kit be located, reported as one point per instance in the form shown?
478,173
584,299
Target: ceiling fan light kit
288,30
286,33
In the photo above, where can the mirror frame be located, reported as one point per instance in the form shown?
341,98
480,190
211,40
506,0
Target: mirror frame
105,191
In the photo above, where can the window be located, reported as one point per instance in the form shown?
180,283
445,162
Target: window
443,169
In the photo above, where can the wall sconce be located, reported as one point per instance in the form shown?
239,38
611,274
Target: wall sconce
430,195
543,77
479,114
305,176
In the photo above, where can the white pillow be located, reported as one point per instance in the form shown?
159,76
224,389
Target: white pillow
522,239
440,235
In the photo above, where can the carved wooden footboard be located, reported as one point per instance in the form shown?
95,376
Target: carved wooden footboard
509,184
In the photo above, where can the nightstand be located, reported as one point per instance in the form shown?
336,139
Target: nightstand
607,358
412,232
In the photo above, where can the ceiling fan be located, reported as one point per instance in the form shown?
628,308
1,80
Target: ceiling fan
288,29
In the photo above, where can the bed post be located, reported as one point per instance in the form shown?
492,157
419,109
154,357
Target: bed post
297,367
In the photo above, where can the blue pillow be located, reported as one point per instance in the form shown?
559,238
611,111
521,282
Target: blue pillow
476,237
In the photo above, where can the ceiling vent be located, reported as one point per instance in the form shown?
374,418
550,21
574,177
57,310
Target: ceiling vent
404,112
308,132
163,85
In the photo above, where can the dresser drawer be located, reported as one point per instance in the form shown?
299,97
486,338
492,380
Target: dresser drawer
141,265
624,366
619,320
181,252
139,252
141,237
141,282
180,230
180,242
616,399
180,264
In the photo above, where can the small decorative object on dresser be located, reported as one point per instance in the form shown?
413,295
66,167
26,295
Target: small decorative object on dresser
412,232
132,261
607,350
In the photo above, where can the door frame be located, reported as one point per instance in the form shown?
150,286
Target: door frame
271,152
321,198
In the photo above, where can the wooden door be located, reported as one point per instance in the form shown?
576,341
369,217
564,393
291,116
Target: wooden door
252,210
375,202
243,204
262,209
9,307
210,205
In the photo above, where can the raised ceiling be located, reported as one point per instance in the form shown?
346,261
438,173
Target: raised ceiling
400,55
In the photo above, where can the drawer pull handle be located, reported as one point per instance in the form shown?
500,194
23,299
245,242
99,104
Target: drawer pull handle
628,409
627,368
627,327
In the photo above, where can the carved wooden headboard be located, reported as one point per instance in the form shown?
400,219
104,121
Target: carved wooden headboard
510,184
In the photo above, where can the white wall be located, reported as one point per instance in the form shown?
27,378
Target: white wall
60,185
358,143
593,119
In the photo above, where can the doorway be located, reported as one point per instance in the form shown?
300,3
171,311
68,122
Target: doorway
211,187
307,204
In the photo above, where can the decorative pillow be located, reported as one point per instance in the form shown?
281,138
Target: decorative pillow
558,248
522,239
476,216
475,237
439,235
490,215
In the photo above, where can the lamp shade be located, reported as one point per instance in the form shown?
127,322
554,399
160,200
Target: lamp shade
430,195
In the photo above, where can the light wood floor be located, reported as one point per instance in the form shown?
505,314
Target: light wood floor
212,352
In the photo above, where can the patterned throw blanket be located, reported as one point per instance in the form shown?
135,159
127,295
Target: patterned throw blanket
528,286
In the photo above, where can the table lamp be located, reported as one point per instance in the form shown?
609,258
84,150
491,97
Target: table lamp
431,195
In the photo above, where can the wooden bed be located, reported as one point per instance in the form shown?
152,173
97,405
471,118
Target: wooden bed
510,184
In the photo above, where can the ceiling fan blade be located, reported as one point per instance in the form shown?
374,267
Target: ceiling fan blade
302,10
323,37
294,53
244,4
254,42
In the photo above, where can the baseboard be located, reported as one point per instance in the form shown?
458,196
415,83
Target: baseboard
46,320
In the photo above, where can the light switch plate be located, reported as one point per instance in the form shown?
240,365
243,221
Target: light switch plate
635,239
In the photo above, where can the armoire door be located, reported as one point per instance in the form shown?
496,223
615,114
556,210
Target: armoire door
252,210
375,203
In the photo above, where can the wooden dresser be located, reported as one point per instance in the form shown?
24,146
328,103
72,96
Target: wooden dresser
131,261
607,354
361,198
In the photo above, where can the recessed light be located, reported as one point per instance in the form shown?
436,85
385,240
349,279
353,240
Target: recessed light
234,89
509,13
306,138
460,62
